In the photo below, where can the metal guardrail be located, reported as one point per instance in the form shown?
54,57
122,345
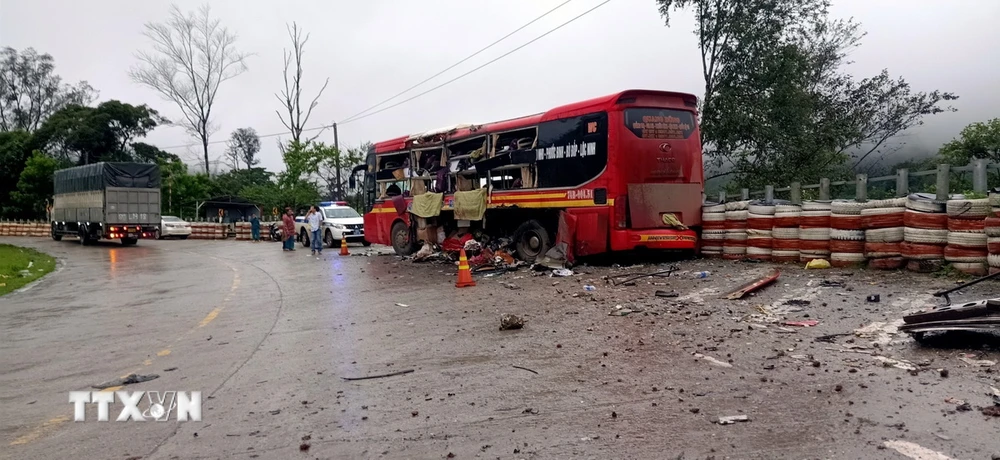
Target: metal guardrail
979,169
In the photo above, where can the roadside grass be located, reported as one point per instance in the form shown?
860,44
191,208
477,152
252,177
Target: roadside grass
20,266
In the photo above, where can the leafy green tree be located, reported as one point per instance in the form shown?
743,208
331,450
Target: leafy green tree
978,140
145,153
92,134
778,104
34,187
30,91
233,182
14,152
182,191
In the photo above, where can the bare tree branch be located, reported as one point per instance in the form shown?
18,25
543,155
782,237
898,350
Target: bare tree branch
291,96
192,54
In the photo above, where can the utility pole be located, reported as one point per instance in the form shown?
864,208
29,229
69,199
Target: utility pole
336,147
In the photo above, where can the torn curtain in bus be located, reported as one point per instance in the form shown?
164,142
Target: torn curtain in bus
427,204
470,205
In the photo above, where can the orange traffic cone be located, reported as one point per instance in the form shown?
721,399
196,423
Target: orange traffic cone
343,247
464,273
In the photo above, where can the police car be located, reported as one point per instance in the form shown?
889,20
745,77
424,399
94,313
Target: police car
339,221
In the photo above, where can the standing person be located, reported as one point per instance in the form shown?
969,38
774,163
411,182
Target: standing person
288,230
315,226
255,228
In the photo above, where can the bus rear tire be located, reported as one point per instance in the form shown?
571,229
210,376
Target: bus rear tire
402,240
531,241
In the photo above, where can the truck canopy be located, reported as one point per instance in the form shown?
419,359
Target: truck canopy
98,176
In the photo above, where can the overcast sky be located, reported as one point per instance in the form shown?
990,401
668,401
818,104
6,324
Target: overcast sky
373,49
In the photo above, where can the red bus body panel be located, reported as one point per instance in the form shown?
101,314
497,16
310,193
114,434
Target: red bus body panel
654,165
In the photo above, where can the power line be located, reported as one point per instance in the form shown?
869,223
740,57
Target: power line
356,118
480,67
348,119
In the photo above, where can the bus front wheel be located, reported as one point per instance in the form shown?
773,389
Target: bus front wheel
402,241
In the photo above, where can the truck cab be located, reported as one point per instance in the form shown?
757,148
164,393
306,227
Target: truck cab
339,221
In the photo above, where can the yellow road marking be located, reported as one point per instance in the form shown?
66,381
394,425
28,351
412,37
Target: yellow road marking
52,424
38,432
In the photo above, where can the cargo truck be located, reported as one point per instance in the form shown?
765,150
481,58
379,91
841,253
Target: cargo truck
106,201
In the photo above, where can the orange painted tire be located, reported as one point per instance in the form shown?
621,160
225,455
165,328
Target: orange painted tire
785,245
814,222
880,250
758,223
847,246
762,243
967,225
925,220
963,253
887,263
918,251
992,226
883,220
786,222
845,222
814,245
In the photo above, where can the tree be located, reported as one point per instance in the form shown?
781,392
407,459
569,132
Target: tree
335,167
291,96
145,153
192,55
92,134
34,187
243,146
978,140
14,152
30,91
778,104
233,182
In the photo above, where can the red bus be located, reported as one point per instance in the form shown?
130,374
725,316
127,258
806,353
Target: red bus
613,173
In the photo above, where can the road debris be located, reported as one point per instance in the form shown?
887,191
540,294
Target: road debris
897,363
967,358
874,298
731,419
914,451
379,376
510,322
753,286
562,272
622,311
525,369
808,323
401,305
127,380
713,361
818,264
630,277
667,294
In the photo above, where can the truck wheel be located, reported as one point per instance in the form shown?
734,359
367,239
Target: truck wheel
531,241
304,238
84,236
402,240
157,235
129,241
56,236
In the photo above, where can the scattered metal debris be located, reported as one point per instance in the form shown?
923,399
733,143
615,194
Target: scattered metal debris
127,380
753,286
731,419
510,322
379,376
525,369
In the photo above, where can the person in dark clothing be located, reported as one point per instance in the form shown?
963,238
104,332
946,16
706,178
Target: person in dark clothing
288,230
254,228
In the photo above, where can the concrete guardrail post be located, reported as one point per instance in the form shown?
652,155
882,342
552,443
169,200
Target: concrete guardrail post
824,189
861,188
902,182
943,180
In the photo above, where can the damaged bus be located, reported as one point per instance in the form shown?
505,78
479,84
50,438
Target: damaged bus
614,173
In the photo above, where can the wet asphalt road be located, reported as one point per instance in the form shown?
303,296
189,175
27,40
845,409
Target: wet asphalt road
266,337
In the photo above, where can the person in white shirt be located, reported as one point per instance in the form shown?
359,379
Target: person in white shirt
315,219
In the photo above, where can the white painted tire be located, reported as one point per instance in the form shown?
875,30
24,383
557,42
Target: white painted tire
713,208
847,235
816,206
889,203
713,235
787,208
969,209
994,200
752,215
761,209
791,233
711,250
993,260
734,250
846,207
993,232
757,234
737,235
753,251
713,217
882,211
737,205
737,215
776,253
815,214
885,235
925,236
847,257
925,202
970,240
787,214
814,234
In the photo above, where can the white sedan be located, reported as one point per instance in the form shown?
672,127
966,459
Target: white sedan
171,226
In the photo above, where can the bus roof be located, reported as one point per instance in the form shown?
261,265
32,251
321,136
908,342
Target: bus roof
565,111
